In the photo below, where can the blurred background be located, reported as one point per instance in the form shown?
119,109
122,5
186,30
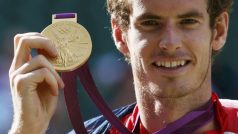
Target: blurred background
111,73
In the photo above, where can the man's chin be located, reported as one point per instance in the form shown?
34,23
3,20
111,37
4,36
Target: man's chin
170,92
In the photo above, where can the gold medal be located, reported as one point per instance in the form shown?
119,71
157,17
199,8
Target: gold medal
72,42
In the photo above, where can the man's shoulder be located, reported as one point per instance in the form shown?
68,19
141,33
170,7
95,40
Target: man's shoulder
100,125
229,103
228,117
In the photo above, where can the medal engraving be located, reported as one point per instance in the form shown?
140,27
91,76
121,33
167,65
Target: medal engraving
72,42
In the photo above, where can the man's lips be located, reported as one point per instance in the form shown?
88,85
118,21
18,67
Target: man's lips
172,68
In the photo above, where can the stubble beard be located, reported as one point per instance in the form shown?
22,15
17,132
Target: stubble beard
151,89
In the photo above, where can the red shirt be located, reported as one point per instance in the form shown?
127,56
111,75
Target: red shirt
226,117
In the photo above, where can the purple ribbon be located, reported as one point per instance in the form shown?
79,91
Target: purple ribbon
71,100
191,121
64,15
90,87
73,108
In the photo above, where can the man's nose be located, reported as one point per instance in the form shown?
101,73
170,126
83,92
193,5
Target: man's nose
171,39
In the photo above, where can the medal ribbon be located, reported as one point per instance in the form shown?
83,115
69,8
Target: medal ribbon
70,93
191,121
186,124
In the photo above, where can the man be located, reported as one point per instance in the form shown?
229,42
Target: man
169,45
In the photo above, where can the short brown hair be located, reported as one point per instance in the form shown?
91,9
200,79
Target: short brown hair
216,7
121,9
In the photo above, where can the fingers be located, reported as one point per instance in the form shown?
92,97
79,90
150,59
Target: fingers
23,66
36,63
19,36
27,83
24,43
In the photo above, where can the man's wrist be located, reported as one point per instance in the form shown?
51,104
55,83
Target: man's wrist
24,131
19,128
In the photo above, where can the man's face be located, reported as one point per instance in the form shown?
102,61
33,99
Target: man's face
169,44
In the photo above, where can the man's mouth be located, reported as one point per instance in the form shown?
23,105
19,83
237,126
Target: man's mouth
171,64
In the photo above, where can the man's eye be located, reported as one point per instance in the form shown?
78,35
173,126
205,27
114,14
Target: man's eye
149,23
189,21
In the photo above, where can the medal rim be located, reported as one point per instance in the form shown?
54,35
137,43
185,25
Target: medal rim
83,31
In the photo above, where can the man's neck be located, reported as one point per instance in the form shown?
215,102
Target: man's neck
157,113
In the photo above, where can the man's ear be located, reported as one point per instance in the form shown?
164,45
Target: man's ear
220,31
119,38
